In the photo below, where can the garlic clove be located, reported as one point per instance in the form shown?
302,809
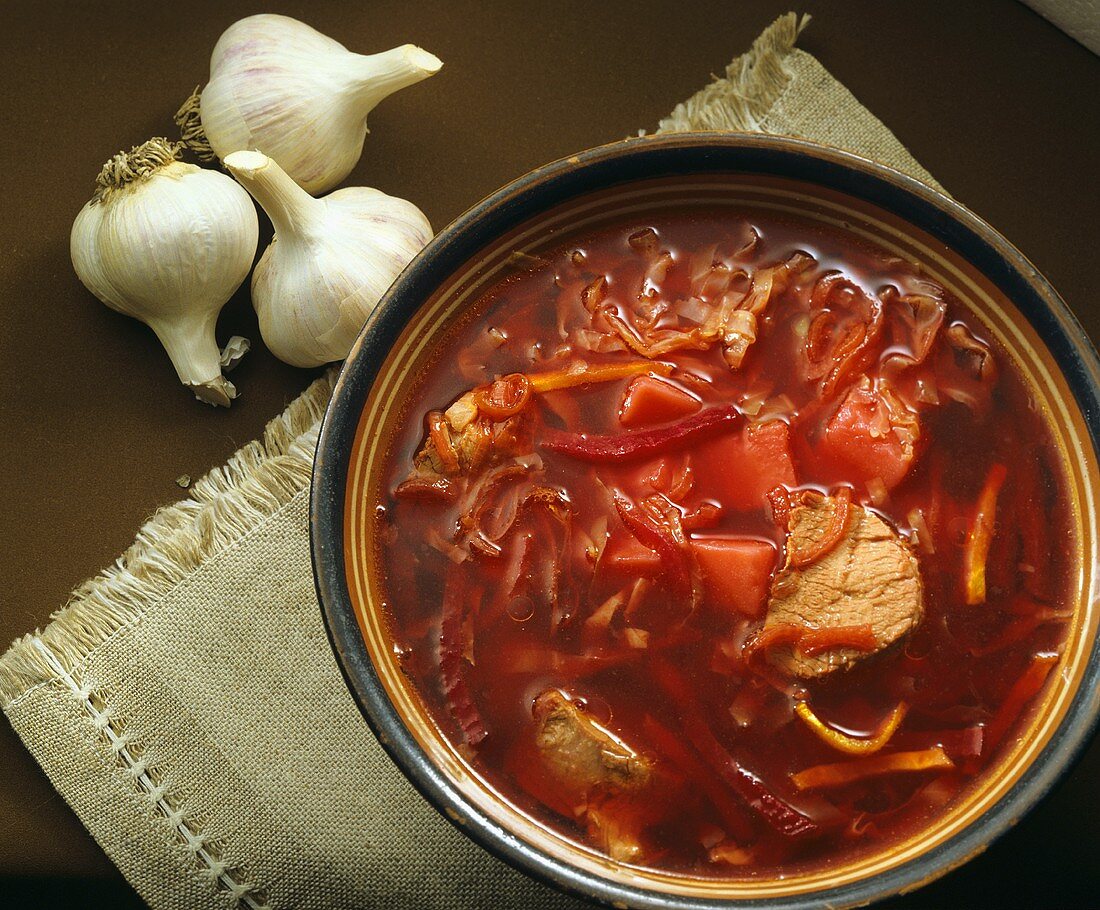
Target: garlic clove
278,85
330,262
168,243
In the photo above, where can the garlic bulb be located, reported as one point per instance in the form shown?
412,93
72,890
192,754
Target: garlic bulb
279,86
168,243
330,262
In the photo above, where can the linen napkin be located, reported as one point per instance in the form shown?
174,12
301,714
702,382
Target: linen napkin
187,705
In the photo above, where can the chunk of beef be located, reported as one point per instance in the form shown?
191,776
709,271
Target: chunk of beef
870,577
599,770
581,753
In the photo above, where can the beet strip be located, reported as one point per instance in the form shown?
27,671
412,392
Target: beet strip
452,664
626,446
674,558
732,814
782,816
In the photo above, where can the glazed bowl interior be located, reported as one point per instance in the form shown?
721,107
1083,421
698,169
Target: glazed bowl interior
378,386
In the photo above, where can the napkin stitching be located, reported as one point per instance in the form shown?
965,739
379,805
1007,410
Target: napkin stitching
225,506
208,853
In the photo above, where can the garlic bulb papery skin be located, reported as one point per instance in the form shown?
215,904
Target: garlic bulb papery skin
168,243
330,262
300,97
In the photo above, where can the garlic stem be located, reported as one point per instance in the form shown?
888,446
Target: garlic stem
378,76
194,352
291,209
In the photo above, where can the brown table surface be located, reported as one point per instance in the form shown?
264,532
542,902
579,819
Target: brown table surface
993,100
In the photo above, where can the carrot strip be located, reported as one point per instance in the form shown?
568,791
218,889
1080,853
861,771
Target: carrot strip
623,446
780,633
852,745
831,537
980,537
504,397
836,775
861,637
780,500
1023,690
706,516
441,439
811,641
587,374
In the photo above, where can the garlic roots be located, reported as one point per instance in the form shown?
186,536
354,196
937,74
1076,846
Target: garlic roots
168,243
330,262
300,97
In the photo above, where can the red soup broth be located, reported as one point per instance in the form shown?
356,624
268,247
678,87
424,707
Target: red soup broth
580,560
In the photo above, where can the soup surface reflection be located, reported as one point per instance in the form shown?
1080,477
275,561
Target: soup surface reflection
723,542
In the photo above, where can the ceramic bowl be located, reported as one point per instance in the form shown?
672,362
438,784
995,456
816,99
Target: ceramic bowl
580,193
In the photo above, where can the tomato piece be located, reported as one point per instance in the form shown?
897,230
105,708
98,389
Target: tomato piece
864,435
739,470
736,572
650,400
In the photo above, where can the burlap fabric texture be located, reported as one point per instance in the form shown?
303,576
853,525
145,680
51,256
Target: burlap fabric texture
186,703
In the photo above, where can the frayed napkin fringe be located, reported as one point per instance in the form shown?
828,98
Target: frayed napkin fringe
752,84
224,505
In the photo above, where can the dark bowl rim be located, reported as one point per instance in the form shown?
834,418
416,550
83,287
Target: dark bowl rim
596,168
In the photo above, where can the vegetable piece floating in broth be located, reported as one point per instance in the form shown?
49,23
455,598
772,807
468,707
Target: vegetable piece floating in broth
717,568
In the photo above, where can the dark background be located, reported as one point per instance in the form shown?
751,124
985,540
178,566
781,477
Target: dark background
94,429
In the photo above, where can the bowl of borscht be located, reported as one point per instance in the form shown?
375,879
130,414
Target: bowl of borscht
707,520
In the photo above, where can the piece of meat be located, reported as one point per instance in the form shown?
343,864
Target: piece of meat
581,753
600,771
870,577
472,440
